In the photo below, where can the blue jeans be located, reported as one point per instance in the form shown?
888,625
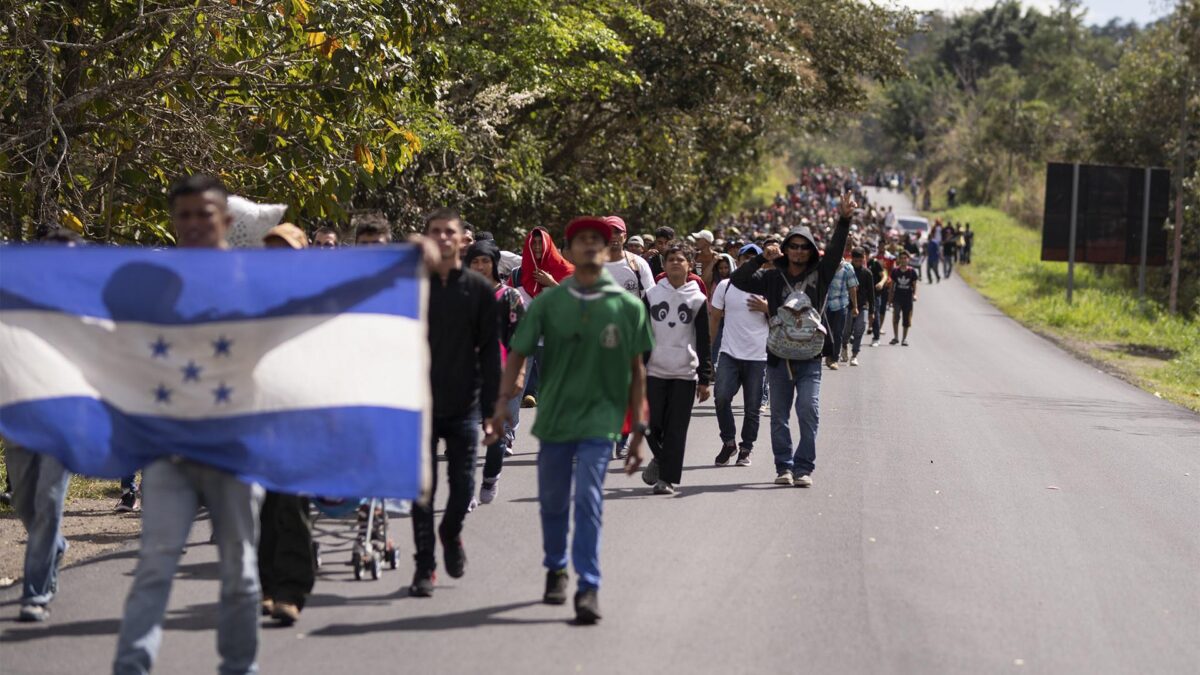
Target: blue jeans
837,327
734,374
173,491
39,489
585,461
881,304
493,461
803,385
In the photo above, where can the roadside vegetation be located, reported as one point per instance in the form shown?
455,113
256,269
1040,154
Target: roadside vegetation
1106,323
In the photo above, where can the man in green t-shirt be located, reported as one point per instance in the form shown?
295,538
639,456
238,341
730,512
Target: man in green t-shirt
592,371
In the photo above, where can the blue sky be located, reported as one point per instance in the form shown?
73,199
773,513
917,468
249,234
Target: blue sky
1098,11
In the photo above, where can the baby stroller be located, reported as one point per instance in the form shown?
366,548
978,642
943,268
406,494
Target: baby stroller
372,545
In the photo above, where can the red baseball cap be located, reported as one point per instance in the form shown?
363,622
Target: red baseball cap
616,223
600,225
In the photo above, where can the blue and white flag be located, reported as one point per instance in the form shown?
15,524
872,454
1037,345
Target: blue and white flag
306,371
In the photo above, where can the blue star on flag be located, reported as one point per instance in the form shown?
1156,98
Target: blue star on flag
160,347
221,346
191,372
221,394
162,394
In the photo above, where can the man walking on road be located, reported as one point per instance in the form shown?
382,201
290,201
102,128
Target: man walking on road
864,293
175,488
903,294
595,335
742,364
796,268
842,301
465,373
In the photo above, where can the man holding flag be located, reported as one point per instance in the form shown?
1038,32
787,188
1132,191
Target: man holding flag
196,364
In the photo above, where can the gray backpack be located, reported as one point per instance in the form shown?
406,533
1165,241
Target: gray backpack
796,332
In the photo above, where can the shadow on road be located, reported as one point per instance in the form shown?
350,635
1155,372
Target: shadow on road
473,618
192,618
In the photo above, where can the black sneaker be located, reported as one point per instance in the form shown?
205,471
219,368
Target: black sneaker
422,583
556,587
456,557
587,606
743,458
726,454
895,341
129,502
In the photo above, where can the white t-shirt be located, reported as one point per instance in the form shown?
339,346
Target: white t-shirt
745,336
625,276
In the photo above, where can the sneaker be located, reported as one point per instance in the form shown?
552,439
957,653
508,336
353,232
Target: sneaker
423,583
895,341
833,365
587,606
875,343
845,354
764,409
529,402
286,613
488,490
129,502
905,343
556,587
455,556
508,451
268,606
33,613
662,487
621,452
803,481
743,458
472,505
854,360
726,454
650,473
784,478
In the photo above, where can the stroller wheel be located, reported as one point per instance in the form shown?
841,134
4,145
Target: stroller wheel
376,569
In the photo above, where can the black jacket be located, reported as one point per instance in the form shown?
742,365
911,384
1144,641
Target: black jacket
463,344
771,281
865,289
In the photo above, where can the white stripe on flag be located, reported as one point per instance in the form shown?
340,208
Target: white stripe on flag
217,369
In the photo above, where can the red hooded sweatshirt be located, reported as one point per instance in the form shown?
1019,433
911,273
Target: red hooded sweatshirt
551,261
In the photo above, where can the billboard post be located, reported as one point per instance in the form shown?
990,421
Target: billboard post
1074,225
1145,237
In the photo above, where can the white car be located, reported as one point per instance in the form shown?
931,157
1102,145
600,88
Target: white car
916,226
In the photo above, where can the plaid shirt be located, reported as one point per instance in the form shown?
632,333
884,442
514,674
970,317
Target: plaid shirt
839,289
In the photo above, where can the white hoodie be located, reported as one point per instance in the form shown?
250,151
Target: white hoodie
679,318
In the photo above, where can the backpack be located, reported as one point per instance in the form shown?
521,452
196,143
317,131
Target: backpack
796,332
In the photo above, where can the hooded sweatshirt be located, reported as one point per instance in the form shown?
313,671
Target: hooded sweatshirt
679,319
774,283
510,308
551,260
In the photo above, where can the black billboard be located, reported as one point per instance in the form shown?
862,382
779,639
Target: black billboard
1109,224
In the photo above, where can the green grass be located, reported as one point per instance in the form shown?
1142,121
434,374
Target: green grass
1151,348
776,177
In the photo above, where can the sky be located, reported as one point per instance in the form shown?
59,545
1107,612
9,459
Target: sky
1098,11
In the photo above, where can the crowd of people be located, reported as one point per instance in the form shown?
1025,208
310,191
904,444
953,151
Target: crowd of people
613,338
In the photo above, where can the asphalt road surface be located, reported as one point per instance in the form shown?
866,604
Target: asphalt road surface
983,503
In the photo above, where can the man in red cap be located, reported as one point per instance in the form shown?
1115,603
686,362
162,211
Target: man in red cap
595,334
630,271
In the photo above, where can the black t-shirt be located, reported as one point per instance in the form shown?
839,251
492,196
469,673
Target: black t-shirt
904,283
877,269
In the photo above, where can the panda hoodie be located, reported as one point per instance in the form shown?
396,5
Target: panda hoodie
679,318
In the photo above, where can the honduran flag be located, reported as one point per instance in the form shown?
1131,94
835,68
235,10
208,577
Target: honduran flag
305,371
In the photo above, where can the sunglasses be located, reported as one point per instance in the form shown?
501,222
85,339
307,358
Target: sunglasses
798,247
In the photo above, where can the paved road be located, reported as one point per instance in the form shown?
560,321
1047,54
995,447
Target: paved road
983,503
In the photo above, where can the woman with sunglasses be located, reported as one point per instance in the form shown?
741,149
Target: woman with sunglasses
774,275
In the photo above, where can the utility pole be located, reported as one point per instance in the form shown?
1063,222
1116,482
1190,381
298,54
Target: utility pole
1180,167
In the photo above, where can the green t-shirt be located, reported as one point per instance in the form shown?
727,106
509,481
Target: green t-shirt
591,340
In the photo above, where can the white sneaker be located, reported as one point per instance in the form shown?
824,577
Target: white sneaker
473,505
802,481
662,487
854,360
508,451
488,490
875,343
784,478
